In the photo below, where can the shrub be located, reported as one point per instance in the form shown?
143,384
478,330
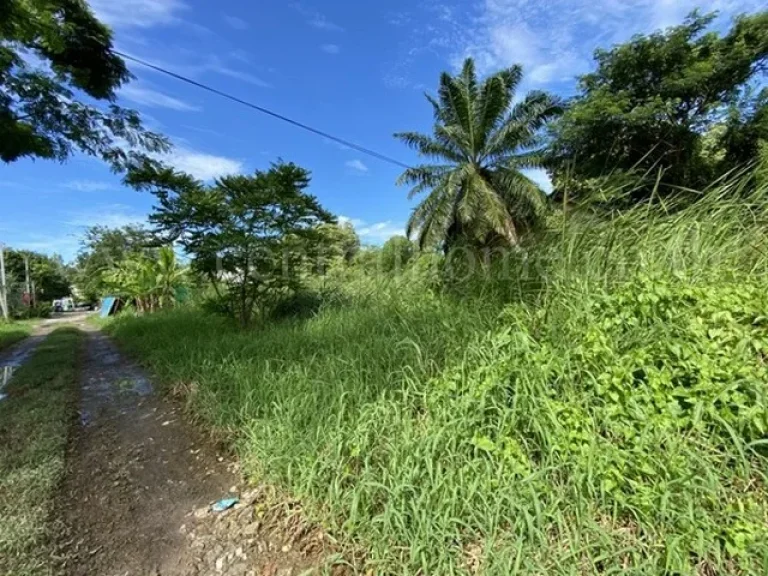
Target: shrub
301,304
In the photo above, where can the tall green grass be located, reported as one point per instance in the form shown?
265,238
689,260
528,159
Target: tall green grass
35,420
12,332
612,418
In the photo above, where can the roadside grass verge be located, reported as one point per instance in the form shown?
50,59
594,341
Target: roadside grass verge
35,419
612,418
12,332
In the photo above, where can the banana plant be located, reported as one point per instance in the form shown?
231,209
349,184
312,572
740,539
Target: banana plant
149,283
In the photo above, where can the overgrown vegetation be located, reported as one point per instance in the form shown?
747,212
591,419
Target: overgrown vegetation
612,418
104,249
34,423
535,387
149,283
248,235
683,106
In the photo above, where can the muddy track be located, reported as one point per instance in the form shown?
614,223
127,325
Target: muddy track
134,473
139,484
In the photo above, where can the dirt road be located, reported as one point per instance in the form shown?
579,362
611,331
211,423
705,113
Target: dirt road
12,358
140,481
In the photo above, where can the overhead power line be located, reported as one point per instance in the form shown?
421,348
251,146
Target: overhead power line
263,110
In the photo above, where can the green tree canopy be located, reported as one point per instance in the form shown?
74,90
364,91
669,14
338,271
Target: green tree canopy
50,276
481,143
51,55
396,253
241,231
104,249
339,241
651,100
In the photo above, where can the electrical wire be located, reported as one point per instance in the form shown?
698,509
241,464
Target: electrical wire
263,110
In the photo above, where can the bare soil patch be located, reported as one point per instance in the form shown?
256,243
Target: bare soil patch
140,482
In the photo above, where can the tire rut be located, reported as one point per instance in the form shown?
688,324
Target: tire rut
135,472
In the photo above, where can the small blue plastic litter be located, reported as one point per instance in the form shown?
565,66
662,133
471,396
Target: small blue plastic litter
224,504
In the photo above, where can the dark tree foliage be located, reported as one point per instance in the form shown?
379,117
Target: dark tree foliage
651,100
246,232
746,127
53,55
49,275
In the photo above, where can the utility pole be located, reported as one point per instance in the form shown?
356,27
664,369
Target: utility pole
3,285
28,284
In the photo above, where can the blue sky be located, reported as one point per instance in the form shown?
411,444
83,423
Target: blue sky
355,69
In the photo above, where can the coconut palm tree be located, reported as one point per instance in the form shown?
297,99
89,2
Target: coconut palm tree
482,142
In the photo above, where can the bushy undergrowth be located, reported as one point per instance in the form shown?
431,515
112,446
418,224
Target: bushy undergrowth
612,419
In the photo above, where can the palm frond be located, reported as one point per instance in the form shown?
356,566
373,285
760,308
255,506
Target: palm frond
526,160
434,215
536,109
494,99
455,138
526,201
454,102
430,147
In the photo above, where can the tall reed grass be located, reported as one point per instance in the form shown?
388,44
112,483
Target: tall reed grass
611,418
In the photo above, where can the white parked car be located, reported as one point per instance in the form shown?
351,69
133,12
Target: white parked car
64,305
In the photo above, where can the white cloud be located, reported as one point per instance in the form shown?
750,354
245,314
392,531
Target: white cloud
400,19
138,13
378,232
356,222
88,185
330,48
66,240
240,56
322,23
239,75
316,19
145,96
554,40
201,165
356,165
66,245
538,36
381,231
235,22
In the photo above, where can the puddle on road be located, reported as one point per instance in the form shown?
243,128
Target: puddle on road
138,385
111,382
6,373
14,359
22,352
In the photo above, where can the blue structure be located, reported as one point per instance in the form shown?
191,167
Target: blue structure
107,303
